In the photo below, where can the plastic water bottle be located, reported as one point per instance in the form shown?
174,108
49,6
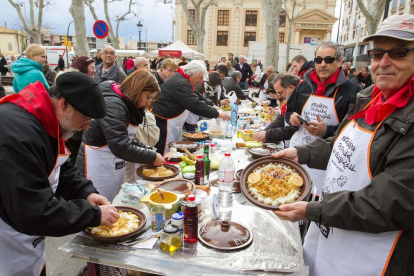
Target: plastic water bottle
234,110
225,182
229,130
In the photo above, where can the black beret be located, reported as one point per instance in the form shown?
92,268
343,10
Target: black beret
83,93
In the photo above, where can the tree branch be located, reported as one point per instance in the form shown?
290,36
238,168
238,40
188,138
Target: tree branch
32,16
20,14
91,8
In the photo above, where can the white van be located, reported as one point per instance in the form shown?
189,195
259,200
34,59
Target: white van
53,52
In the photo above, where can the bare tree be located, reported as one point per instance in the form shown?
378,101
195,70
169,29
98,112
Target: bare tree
297,9
373,13
197,24
271,11
113,37
77,10
32,28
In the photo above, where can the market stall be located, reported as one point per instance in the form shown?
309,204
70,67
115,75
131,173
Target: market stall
178,46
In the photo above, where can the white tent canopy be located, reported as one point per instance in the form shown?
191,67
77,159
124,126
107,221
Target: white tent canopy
186,51
139,53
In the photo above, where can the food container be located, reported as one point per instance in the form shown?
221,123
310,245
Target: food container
247,135
216,134
170,203
170,239
184,202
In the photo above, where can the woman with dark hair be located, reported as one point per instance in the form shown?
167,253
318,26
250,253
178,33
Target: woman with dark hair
85,65
364,78
109,142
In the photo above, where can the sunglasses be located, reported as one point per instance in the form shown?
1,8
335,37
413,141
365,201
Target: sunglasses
394,53
328,60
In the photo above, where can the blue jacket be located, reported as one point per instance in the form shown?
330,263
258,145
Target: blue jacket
246,71
27,71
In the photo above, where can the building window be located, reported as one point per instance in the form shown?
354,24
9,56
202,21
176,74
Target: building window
251,18
394,4
191,38
249,36
10,46
402,3
192,14
222,38
281,37
223,18
282,19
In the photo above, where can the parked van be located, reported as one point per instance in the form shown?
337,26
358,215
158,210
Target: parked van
53,52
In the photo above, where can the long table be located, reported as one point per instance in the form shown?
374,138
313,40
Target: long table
276,248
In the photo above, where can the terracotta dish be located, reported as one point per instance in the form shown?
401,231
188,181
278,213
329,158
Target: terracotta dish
173,168
120,238
261,152
178,186
195,136
225,235
304,189
189,145
238,174
236,185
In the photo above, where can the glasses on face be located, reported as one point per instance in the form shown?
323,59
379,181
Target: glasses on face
328,59
109,53
394,53
169,70
86,119
149,98
93,69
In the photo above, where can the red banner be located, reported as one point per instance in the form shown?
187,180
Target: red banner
172,53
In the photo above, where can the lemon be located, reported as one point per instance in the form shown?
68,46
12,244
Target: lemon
254,178
295,180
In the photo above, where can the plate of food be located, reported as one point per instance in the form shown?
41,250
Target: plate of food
262,152
131,222
180,145
195,136
173,155
268,182
154,173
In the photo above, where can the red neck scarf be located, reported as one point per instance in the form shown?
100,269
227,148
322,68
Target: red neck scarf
35,100
320,90
377,110
179,70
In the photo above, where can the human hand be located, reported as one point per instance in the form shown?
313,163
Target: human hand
264,91
294,121
109,215
292,212
271,110
97,199
316,129
224,116
159,160
247,80
260,136
291,153
224,102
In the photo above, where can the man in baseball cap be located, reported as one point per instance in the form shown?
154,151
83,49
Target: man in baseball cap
41,194
363,225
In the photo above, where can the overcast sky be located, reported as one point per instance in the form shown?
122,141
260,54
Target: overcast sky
156,18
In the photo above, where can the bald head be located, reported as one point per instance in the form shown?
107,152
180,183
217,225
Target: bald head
141,63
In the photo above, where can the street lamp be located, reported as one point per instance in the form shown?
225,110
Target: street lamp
139,25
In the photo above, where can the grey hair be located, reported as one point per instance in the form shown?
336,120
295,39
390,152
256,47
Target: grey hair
286,79
236,74
272,69
241,56
138,60
339,49
110,46
194,67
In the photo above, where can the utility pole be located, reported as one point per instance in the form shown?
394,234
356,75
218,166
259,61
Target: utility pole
356,45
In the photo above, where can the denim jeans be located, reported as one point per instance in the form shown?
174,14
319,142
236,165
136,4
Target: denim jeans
244,85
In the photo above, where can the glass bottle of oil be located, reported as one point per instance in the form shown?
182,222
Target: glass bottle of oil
170,239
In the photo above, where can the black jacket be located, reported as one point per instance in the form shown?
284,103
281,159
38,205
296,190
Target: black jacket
177,95
300,95
262,82
277,131
112,131
353,78
27,202
308,66
231,85
367,82
61,64
246,71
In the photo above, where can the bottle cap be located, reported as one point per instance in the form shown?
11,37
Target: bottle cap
178,216
171,229
191,197
200,156
227,154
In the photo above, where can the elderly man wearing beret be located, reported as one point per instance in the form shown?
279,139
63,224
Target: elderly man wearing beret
364,224
41,194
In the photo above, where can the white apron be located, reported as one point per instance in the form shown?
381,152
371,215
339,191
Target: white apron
333,251
174,128
21,254
192,118
263,95
325,108
106,171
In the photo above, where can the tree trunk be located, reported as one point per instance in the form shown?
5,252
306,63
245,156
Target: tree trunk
33,30
271,11
78,13
373,13
200,41
112,37
288,42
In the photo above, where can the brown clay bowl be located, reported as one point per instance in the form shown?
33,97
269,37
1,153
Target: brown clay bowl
121,238
189,145
305,189
186,136
175,170
261,152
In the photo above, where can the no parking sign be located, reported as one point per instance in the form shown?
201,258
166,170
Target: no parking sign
100,29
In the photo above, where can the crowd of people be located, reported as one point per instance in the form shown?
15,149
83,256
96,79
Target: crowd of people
71,140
